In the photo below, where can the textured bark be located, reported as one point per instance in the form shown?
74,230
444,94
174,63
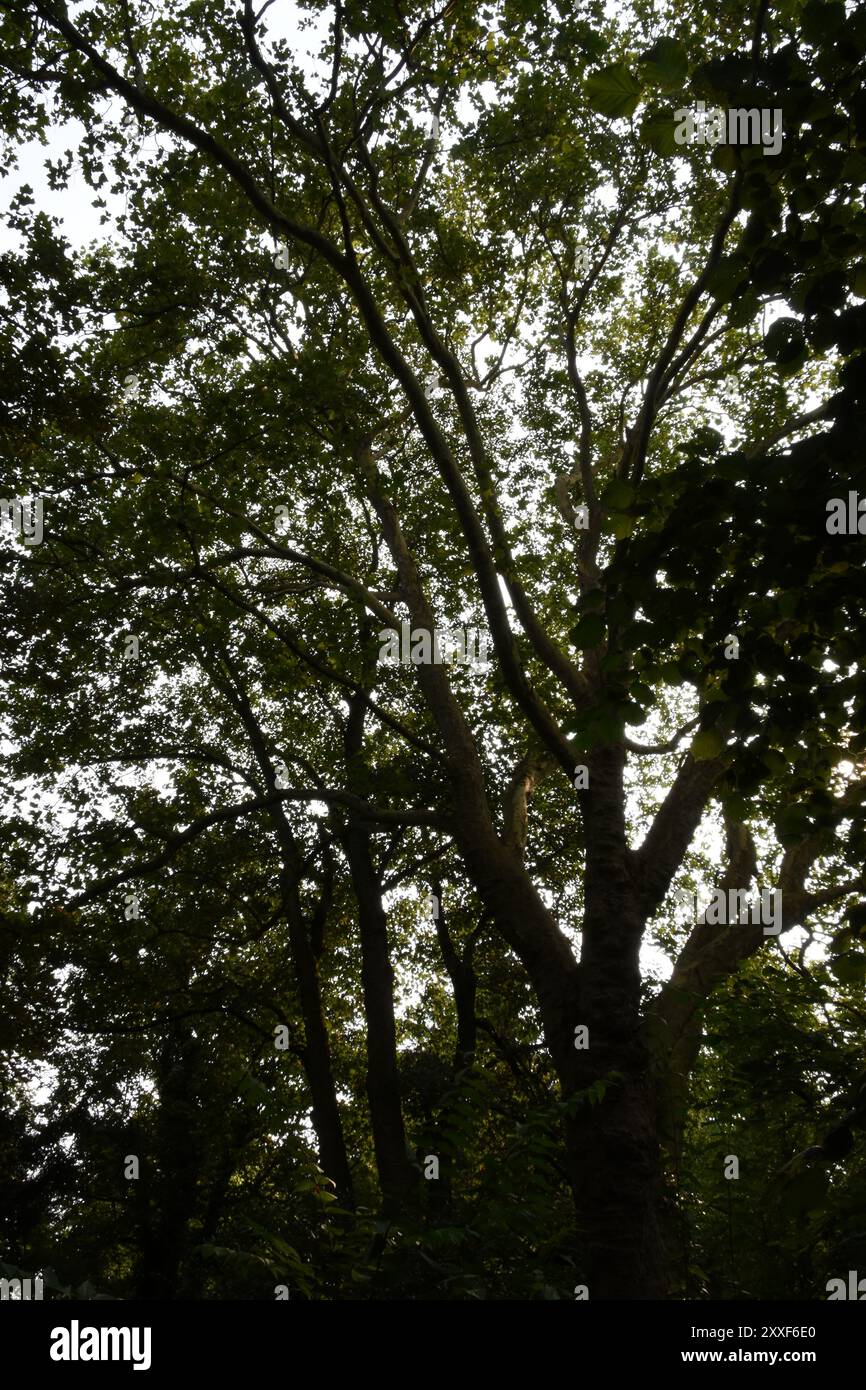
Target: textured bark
613,1160
613,1146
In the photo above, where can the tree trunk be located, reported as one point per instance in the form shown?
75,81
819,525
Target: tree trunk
317,1052
464,984
168,1194
613,1145
397,1176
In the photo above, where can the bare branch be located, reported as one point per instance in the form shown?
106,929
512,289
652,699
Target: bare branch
515,812
338,55
672,743
639,435
822,412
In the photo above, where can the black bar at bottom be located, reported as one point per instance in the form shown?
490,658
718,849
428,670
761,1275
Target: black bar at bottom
156,1341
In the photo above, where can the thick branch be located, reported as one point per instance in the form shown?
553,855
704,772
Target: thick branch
658,858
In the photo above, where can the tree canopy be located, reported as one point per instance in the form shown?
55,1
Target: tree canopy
331,976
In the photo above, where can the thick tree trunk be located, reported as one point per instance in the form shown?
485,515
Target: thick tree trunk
613,1159
613,1145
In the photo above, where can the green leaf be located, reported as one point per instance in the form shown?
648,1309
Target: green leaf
633,713
848,969
623,526
729,275
788,605
588,631
857,917
793,823
707,744
618,494
666,64
642,693
592,601
774,762
784,340
659,132
744,308
724,157
613,90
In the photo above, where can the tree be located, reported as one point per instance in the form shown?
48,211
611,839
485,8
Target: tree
262,456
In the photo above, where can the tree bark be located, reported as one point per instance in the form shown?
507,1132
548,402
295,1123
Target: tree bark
397,1176
613,1145
316,1054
